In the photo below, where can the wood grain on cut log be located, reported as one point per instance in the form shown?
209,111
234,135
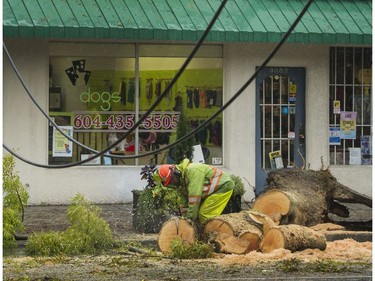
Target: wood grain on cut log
176,228
292,237
238,225
303,207
305,197
262,219
274,203
229,244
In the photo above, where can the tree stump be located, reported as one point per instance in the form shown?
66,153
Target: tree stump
176,227
236,233
292,237
305,197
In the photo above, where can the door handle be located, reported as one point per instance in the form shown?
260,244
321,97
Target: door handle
301,135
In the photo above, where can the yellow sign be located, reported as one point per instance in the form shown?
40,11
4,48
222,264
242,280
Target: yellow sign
292,88
276,159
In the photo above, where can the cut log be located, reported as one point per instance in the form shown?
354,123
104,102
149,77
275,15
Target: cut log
292,207
305,197
176,228
238,225
229,244
275,204
292,237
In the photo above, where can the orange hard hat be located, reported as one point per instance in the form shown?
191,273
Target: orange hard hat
165,173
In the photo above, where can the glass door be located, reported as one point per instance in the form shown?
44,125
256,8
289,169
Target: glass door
280,130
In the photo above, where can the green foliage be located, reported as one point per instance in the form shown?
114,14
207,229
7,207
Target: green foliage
184,149
166,198
184,250
46,243
239,187
154,206
15,197
88,233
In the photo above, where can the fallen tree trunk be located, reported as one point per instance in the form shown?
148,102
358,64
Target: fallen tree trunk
237,233
176,227
292,207
305,197
292,237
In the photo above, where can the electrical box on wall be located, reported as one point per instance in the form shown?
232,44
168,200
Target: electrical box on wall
216,161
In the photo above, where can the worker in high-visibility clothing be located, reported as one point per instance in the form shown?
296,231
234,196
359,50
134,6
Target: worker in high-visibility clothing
204,190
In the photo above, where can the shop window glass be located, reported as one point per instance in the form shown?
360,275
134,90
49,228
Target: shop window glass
101,90
350,111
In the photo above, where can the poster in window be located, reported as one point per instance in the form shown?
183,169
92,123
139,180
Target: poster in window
348,124
366,150
276,159
334,136
354,156
62,147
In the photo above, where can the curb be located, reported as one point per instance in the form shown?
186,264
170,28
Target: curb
359,236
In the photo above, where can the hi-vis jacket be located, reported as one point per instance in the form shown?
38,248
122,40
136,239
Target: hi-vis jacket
198,182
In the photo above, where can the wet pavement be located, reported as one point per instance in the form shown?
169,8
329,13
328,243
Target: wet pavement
119,217
53,218
125,267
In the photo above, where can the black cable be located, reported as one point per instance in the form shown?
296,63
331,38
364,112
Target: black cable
137,124
36,103
239,92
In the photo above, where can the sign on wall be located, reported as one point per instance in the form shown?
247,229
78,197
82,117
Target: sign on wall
61,146
348,124
87,121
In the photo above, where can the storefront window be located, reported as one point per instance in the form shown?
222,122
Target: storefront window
350,106
99,91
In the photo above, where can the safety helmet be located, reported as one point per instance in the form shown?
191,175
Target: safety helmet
165,173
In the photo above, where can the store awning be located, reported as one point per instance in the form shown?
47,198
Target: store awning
327,21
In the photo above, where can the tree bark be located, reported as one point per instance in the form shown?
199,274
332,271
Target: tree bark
176,227
305,197
292,237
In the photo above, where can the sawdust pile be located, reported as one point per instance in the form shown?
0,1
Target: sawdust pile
339,250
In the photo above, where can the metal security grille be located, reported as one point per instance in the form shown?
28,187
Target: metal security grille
350,91
277,112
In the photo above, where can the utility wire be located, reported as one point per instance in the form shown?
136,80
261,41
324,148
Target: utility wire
137,124
36,103
240,91
226,105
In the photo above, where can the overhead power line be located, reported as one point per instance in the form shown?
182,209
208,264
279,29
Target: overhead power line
226,105
137,124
